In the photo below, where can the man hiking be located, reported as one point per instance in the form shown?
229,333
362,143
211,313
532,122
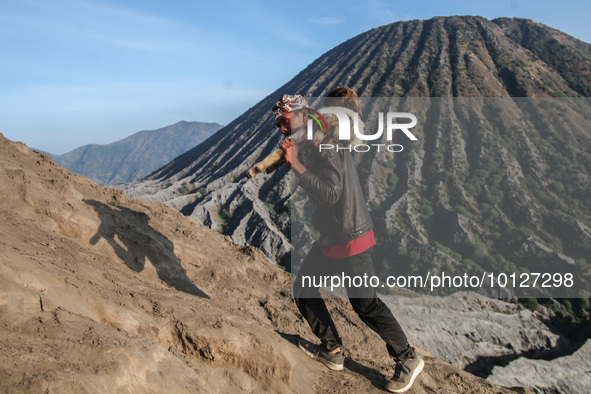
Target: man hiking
346,239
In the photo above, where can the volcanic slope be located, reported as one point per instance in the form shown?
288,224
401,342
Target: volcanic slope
504,195
101,292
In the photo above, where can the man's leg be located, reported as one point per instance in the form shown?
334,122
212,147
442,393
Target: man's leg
372,310
374,313
309,301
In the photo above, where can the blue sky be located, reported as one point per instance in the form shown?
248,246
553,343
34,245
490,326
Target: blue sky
75,72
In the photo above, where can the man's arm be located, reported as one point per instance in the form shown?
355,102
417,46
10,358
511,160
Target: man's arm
327,185
290,154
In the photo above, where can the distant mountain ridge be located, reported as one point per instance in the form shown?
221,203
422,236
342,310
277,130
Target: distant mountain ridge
136,156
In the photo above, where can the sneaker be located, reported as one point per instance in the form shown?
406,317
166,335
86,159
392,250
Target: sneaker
405,374
318,352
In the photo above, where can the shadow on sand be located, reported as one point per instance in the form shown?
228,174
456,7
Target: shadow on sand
134,240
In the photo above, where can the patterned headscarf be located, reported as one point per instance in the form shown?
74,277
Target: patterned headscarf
289,103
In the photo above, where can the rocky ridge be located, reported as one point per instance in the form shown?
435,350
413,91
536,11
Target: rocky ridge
104,292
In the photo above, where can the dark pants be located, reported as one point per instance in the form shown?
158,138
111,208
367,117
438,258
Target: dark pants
370,309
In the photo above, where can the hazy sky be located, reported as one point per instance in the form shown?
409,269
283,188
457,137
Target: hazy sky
75,72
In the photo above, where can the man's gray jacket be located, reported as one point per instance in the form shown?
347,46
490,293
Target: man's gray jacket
332,184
